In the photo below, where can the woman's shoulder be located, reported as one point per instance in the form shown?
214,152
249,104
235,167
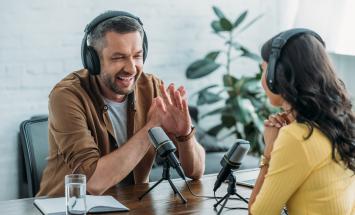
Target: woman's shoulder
301,131
296,129
316,141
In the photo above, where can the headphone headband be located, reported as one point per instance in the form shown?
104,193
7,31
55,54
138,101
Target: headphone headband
89,56
108,15
277,45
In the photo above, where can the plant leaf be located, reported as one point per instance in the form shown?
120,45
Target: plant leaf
236,46
257,122
240,19
248,106
212,55
229,80
230,134
251,87
228,120
243,110
226,24
229,83
201,68
207,97
238,86
254,137
248,87
218,12
250,23
207,88
215,111
245,52
216,26
249,54
215,130
260,73
245,107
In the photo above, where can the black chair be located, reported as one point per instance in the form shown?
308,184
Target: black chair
34,144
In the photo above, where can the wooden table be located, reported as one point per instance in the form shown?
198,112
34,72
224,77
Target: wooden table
161,200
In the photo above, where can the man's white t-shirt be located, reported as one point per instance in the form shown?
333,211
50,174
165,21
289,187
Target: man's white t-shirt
118,116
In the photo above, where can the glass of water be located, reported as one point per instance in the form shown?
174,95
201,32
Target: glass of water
75,191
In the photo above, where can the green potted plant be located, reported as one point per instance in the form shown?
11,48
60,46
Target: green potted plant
245,105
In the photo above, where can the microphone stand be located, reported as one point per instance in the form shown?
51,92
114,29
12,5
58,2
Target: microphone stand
165,176
231,190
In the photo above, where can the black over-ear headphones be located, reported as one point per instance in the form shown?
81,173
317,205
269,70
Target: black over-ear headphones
89,56
277,44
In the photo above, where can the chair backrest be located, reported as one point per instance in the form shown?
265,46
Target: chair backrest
34,143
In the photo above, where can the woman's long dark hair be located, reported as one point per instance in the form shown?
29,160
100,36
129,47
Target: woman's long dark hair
306,79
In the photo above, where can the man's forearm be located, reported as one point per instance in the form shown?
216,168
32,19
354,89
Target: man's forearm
192,158
114,167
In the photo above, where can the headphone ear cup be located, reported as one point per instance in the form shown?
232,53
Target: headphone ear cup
92,61
145,46
270,74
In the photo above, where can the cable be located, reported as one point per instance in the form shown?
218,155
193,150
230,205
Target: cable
218,197
214,194
207,197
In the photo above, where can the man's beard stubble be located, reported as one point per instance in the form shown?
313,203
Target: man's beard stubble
109,82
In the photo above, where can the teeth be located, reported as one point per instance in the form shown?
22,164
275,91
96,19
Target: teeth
125,78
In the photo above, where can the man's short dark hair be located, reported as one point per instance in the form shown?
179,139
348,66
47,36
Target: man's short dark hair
119,24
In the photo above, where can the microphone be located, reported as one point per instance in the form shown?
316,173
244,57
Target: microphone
165,148
232,161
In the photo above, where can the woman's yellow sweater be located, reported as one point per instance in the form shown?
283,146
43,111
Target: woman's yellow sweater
303,176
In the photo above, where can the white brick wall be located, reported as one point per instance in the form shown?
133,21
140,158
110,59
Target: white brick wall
40,44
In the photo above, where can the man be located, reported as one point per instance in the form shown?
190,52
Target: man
98,124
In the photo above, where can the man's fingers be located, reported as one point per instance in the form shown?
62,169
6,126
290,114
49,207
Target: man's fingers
185,107
182,91
164,94
160,103
178,100
171,90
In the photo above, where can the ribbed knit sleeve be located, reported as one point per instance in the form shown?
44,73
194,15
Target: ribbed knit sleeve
289,166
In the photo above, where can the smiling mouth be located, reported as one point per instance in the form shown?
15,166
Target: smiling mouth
126,78
125,81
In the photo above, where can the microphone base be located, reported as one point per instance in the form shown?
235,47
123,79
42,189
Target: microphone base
232,190
165,176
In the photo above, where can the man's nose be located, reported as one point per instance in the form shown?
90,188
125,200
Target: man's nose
130,66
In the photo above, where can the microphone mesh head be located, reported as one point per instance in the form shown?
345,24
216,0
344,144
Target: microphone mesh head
237,152
157,136
162,143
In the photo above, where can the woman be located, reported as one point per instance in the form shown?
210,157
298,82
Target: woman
309,158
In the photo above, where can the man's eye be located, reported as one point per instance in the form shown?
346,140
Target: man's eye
116,58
